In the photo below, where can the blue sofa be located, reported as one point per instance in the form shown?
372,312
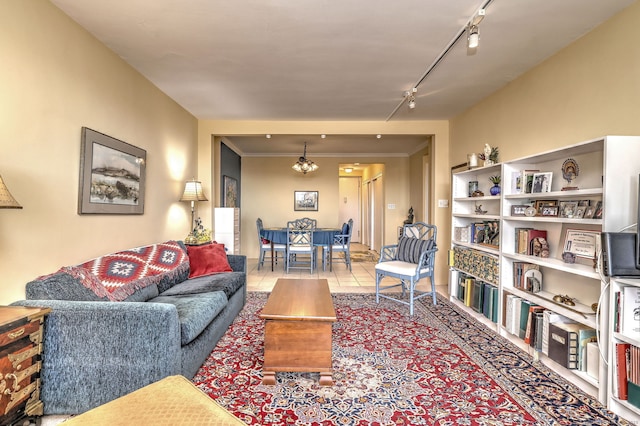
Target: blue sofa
97,349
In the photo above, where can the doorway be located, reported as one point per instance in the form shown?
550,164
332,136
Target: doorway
349,206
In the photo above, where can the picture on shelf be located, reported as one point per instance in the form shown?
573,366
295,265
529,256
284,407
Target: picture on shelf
589,212
597,213
527,180
583,243
540,204
518,210
568,209
542,182
549,211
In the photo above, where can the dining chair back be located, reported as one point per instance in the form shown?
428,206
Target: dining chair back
341,244
412,259
266,246
300,251
305,223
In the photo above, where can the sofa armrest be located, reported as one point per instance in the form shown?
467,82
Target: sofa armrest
237,262
95,352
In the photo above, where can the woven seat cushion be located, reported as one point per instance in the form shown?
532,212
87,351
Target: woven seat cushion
399,267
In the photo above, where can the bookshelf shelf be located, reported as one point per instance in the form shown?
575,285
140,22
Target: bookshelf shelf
608,172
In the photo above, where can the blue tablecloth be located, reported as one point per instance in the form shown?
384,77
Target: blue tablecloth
321,236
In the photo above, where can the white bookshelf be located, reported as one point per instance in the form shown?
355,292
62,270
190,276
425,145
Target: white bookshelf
608,173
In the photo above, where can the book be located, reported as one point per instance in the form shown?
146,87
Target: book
486,300
520,235
620,374
512,302
630,314
593,360
585,336
549,317
468,290
530,331
524,317
476,302
539,318
563,343
494,304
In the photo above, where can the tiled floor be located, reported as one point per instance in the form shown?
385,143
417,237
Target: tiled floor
361,279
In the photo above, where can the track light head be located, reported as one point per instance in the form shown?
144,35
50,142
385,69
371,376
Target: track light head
473,37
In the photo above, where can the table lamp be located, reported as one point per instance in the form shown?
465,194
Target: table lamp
193,192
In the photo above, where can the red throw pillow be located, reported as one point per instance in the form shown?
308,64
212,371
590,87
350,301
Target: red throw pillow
207,259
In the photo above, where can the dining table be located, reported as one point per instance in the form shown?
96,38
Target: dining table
321,237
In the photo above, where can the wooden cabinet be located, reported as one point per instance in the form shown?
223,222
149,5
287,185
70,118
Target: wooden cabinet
608,175
227,225
21,336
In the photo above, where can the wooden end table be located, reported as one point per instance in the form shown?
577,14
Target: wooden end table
297,335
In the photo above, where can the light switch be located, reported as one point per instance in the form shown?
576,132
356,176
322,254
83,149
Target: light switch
443,203
391,206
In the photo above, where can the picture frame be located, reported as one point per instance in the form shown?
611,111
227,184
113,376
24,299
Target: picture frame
542,182
305,201
549,211
584,243
112,175
518,210
580,212
589,212
539,204
230,195
568,209
597,212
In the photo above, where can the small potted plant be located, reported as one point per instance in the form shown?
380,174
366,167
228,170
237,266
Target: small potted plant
495,189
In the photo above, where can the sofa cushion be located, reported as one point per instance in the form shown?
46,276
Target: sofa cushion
60,285
195,312
228,282
143,294
410,249
207,259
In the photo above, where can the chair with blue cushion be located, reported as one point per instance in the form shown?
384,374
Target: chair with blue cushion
341,244
265,246
301,253
412,259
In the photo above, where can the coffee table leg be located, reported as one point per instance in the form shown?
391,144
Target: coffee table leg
268,377
326,379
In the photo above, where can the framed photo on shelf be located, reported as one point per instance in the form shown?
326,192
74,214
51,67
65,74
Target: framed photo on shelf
588,212
568,209
518,210
539,204
597,212
580,212
112,175
305,201
551,211
542,182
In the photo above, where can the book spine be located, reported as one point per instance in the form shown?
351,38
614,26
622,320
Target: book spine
622,355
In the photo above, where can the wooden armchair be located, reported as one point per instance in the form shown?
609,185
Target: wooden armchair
410,260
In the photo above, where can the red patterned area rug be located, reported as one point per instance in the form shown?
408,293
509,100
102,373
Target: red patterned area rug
438,367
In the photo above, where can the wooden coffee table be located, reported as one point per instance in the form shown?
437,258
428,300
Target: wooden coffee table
297,334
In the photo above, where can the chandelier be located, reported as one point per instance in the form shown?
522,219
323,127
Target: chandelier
303,164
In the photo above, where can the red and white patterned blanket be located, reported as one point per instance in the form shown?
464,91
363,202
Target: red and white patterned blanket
118,275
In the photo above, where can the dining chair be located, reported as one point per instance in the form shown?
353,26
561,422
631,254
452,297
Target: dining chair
305,223
265,246
299,245
341,244
412,259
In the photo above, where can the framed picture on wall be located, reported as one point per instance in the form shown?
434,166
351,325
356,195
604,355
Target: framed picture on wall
305,201
230,196
112,175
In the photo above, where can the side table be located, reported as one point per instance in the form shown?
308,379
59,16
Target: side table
21,336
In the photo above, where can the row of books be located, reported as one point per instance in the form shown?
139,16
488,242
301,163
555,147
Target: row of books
571,344
526,240
527,276
626,312
487,233
627,373
478,295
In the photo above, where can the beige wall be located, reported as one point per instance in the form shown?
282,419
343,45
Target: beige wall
587,90
54,79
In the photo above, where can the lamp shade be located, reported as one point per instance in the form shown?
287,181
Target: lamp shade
6,199
193,192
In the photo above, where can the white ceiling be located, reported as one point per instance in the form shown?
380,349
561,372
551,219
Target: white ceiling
332,59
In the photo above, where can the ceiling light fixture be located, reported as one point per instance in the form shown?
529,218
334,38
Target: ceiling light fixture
304,165
410,96
323,136
473,34
268,136
348,169
479,15
378,136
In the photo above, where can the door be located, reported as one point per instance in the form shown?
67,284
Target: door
349,195
377,208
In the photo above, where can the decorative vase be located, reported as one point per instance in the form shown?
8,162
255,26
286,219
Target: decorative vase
495,189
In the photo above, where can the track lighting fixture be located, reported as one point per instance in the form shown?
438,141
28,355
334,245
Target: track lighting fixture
473,34
410,97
